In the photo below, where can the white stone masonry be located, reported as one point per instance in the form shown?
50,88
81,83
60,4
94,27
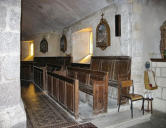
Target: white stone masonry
160,94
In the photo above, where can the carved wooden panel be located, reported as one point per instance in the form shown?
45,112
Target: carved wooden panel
70,96
49,85
56,88
62,91
95,64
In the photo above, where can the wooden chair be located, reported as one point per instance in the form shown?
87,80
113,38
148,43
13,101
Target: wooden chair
131,96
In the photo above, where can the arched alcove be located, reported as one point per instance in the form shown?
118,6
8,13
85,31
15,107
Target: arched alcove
82,42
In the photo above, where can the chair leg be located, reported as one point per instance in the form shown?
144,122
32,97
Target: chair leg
143,105
131,107
119,104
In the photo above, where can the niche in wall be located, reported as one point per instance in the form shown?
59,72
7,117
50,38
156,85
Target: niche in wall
82,42
27,50
118,25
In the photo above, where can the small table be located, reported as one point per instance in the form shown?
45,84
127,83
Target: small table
150,100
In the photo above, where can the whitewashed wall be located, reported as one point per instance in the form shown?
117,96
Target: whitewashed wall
81,45
53,40
140,38
147,17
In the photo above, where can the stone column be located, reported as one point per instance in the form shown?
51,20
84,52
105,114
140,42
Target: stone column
12,113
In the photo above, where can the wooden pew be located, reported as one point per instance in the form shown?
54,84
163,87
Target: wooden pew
65,91
38,77
94,83
117,66
27,70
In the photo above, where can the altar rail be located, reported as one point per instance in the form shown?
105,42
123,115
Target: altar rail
65,91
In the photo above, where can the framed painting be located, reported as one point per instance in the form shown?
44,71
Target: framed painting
63,43
103,34
44,46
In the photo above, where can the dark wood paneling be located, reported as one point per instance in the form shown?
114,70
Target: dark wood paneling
62,92
65,91
38,77
60,61
27,70
117,66
94,83
79,65
70,96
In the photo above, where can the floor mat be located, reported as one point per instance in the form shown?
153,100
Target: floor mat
43,112
85,125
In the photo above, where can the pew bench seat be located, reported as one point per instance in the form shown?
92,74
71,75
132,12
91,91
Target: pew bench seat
94,83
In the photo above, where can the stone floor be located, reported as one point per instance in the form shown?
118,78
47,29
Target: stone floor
42,112
157,120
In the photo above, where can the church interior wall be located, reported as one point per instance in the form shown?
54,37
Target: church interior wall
140,28
140,34
53,40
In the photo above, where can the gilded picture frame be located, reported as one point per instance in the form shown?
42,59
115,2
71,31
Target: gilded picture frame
103,34
43,46
63,43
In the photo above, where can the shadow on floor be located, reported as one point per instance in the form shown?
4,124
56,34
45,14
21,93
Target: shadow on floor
158,120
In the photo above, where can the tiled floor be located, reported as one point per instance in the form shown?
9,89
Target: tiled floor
41,111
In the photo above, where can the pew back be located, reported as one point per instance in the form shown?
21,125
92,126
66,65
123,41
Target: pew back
94,83
115,65
65,91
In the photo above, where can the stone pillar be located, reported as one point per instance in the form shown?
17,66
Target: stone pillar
12,113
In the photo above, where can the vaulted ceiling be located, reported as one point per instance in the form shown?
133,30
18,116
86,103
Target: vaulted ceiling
40,16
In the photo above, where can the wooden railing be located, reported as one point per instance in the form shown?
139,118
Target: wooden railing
38,77
65,91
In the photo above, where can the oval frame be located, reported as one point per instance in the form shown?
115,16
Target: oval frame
63,43
43,46
103,36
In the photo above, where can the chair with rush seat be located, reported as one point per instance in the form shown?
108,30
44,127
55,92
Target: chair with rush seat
131,96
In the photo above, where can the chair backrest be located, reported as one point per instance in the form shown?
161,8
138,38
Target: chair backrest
126,83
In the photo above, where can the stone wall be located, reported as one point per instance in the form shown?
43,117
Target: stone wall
140,37
140,34
53,40
12,112
160,93
147,17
